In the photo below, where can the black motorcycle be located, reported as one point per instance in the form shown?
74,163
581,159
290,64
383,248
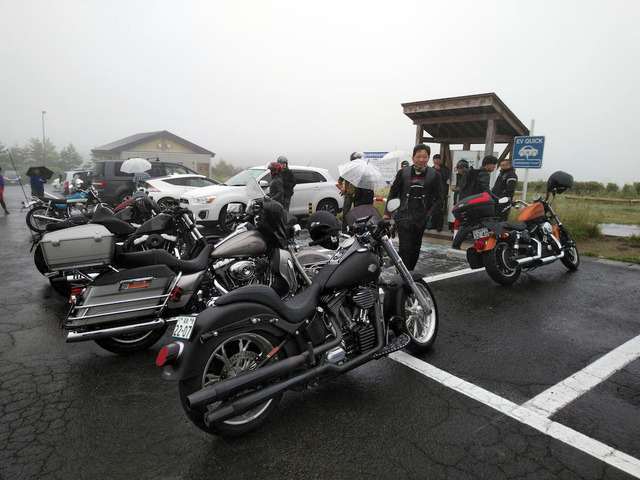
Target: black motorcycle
237,359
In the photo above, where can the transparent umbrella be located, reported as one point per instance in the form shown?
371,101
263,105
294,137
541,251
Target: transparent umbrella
397,156
362,174
135,165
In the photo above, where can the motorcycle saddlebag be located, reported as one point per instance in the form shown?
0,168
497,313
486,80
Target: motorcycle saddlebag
473,208
79,246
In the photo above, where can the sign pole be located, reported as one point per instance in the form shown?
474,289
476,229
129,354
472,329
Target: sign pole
526,170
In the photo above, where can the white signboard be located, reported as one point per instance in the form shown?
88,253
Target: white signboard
389,168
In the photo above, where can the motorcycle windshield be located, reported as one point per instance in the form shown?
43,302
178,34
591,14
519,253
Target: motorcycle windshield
253,190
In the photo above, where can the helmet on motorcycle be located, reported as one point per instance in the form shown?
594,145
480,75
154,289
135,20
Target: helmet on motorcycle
324,228
274,168
559,181
356,155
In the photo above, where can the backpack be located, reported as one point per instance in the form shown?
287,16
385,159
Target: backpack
468,183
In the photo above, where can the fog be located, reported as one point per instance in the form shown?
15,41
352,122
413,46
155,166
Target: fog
317,80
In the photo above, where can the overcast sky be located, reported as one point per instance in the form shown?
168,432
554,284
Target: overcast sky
252,80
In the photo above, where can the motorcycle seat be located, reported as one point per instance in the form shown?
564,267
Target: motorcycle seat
106,218
519,226
294,310
157,256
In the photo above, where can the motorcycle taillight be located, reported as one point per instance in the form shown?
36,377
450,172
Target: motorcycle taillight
480,243
169,354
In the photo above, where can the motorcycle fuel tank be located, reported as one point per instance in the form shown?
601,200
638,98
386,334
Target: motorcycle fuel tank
355,266
240,244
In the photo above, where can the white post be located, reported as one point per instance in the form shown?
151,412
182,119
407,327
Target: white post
526,170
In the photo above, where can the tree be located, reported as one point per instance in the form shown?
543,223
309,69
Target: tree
70,159
34,152
223,171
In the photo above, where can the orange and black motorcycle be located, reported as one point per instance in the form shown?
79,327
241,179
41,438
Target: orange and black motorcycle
537,238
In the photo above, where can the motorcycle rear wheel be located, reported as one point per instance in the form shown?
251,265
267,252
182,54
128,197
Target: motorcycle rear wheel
229,356
130,343
38,225
571,258
421,327
498,264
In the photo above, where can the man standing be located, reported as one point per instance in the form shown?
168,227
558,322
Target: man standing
474,184
348,190
505,185
37,183
445,173
419,189
288,180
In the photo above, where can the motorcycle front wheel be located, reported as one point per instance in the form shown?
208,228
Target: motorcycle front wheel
499,264
571,258
130,343
38,219
420,325
228,357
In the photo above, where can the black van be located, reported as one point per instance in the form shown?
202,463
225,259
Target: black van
114,186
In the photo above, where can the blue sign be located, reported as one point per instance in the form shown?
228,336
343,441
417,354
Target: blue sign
527,152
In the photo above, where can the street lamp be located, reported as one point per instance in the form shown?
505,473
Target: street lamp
44,146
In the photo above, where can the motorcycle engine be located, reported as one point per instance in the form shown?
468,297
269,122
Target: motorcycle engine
243,270
233,273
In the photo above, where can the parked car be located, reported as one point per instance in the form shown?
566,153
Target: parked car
166,191
11,177
115,187
315,188
67,180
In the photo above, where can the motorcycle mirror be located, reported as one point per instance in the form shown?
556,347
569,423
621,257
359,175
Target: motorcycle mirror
503,200
393,205
234,208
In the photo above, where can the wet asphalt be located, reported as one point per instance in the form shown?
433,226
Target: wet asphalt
77,411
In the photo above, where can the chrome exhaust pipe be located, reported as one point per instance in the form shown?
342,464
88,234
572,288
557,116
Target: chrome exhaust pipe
75,336
538,256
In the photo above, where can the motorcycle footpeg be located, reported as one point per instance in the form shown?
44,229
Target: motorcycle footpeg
398,344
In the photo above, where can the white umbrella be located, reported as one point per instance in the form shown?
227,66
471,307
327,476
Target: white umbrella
135,165
363,175
397,156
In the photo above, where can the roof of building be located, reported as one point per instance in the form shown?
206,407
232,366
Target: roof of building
131,142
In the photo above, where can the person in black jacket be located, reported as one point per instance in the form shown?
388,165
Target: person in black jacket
276,186
363,196
505,185
438,219
288,180
419,189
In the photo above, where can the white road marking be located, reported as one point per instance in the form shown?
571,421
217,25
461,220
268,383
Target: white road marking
560,395
456,273
526,415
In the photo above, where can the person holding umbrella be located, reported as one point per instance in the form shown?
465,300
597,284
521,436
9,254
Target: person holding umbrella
419,189
348,190
37,183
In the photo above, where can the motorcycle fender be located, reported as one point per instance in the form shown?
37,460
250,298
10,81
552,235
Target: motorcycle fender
490,245
215,321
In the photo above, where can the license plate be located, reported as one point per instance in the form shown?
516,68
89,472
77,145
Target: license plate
480,233
184,327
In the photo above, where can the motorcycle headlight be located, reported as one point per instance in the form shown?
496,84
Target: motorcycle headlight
203,200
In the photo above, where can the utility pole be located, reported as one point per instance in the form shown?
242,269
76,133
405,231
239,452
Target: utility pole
44,145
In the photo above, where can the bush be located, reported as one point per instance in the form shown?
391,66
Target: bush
629,191
612,188
578,217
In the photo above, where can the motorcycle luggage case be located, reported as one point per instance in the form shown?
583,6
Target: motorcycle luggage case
473,208
79,246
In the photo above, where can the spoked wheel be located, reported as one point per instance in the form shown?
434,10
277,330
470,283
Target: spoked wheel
571,258
421,325
129,343
227,221
38,219
229,357
500,266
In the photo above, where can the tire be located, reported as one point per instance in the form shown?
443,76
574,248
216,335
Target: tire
422,328
167,202
38,259
38,225
571,258
131,343
124,197
328,205
225,356
498,264
227,223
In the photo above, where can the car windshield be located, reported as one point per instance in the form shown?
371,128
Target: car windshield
241,179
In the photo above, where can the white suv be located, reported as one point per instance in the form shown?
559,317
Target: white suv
315,190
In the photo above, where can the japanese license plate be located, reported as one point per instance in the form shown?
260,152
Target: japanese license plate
184,327
480,233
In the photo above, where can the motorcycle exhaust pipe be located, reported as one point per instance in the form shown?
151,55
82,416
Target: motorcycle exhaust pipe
538,257
75,336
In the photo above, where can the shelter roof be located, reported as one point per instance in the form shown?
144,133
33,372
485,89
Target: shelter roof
464,119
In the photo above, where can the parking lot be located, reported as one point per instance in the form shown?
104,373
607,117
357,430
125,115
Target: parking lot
539,380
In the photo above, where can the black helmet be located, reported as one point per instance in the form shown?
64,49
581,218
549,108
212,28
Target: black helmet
559,181
324,227
282,159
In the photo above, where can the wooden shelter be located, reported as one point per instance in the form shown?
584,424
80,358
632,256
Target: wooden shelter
480,119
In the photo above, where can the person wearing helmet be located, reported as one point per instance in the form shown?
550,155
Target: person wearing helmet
276,186
348,190
288,180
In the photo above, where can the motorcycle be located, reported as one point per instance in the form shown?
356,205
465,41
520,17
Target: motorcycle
234,361
46,212
128,310
537,238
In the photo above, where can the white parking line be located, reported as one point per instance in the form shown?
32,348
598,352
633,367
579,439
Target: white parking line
455,273
522,413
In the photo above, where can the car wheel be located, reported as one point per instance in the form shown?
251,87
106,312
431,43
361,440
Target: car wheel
328,205
167,202
227,222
